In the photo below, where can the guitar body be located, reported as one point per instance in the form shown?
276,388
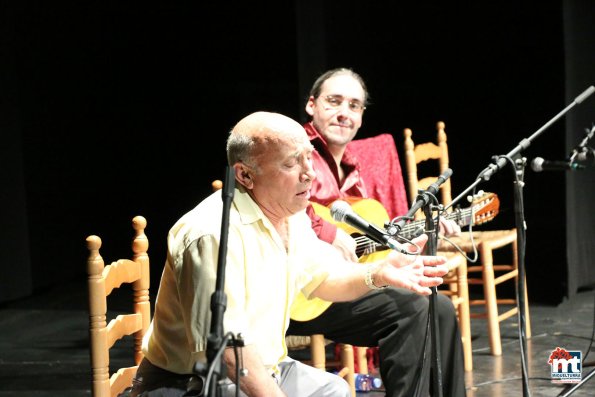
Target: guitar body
483,209
369,209
304,309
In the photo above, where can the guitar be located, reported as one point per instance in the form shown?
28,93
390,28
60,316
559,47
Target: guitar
484,208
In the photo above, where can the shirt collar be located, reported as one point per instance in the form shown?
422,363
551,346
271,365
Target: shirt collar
349,161
250,212
247,208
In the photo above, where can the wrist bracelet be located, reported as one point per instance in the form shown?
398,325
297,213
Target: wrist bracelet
369,277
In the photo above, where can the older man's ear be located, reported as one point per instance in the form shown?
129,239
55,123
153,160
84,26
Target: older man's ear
243,175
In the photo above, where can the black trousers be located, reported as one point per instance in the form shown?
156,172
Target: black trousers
396,321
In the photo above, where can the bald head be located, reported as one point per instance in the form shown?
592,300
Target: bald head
260,133
272,158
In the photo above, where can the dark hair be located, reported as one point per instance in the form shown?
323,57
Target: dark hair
317,86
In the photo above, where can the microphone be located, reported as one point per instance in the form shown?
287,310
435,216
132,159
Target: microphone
539,164
342,212
422,200
584,155
587,93
433,188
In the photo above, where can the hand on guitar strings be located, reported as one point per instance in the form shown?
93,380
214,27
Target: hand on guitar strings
448,227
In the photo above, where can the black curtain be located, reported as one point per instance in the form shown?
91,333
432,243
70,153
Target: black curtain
579,41
15,264
116,110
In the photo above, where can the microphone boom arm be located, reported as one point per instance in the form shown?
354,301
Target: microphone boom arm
500,162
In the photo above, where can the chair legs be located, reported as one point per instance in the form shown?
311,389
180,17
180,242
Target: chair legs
464,316
491,301
362,359
489,291
458,290
317,350
348,366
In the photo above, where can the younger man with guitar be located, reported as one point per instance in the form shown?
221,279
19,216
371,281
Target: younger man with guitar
392,319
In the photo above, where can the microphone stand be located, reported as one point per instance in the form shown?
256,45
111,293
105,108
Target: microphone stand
519,164
582,148
424,200
431,247
216,341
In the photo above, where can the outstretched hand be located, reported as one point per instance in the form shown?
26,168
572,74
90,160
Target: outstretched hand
414,272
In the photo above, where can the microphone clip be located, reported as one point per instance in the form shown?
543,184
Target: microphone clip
583,153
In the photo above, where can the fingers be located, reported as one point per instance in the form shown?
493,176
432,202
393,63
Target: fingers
433,260
415,277
449,227
416,273
399,260
421,290
422,285
411,283
420,241
435,271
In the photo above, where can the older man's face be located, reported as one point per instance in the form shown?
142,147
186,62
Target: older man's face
282,181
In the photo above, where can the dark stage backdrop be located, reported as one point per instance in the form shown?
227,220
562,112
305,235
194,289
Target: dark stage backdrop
114,110
579,32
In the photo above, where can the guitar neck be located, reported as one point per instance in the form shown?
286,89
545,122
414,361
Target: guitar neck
365,245
461,216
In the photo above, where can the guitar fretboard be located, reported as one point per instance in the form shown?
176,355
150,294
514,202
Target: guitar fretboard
366,246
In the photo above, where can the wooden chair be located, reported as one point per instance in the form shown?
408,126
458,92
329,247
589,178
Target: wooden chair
384,182
458,291
456,280
317,345
487,242
102,281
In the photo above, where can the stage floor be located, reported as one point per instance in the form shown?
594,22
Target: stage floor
44,347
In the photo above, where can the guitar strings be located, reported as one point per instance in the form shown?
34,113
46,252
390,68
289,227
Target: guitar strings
365,245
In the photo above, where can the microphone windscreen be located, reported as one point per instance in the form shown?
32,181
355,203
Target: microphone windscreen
587,155
537,164
339,209
585,94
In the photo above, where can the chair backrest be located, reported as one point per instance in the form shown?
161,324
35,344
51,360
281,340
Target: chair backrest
415,155
102,281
